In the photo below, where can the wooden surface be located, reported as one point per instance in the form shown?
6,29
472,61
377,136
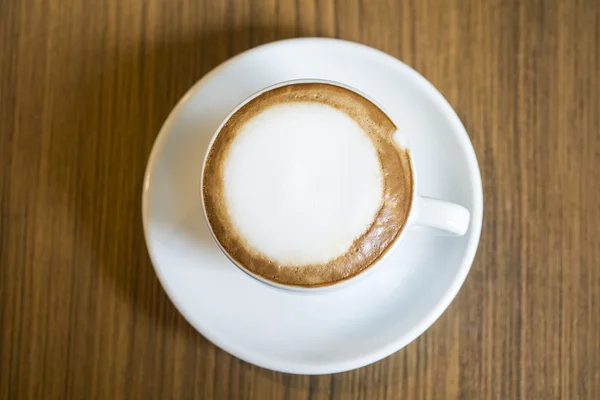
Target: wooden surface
84,88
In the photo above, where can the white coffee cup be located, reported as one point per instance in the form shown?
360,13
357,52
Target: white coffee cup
441,217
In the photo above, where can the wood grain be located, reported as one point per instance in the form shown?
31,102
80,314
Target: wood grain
84,89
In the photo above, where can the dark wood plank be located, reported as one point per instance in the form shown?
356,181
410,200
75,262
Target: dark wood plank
84,89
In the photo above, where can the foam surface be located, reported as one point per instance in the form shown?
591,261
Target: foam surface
302,181
293,178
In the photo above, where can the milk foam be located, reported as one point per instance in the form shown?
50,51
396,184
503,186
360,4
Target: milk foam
302,181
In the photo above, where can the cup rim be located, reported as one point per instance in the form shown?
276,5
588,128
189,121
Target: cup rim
328,286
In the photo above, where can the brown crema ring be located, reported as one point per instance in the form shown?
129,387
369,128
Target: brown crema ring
366,249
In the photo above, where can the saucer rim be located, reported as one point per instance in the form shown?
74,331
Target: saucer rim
476,193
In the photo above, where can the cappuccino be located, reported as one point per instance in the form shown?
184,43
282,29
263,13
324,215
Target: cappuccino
305,186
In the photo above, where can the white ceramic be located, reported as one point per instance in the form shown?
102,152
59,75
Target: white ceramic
331,331
426,212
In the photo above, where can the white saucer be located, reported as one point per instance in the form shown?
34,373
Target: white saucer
305,333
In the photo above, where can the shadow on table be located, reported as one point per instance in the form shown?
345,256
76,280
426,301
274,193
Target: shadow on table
121,99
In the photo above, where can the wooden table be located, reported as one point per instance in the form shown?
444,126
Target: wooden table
84,89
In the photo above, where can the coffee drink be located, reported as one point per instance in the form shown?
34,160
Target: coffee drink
305,186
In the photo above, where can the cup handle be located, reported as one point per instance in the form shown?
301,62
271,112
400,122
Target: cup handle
443,215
